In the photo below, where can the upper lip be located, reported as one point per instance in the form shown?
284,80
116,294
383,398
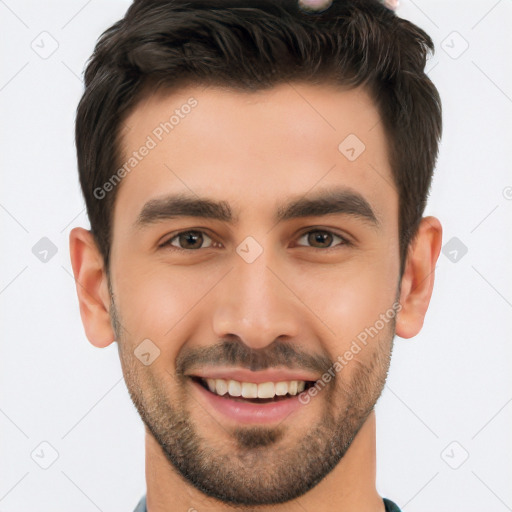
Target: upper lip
257,377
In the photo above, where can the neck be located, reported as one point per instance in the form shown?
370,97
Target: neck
349,487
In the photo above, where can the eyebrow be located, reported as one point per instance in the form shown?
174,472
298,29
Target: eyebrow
327,202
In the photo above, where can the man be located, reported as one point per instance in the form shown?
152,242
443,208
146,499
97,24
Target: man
255,173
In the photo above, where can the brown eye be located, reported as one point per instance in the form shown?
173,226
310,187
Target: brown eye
322,239
188,240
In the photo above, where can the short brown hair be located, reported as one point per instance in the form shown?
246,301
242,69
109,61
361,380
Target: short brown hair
254,45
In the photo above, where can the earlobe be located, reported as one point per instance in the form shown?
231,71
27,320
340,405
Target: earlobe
418,278
91,287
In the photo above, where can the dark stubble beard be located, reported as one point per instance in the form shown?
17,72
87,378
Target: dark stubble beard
262,471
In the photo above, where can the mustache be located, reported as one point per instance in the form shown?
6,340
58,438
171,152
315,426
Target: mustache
230,352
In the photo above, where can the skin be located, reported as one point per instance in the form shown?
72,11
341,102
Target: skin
255,151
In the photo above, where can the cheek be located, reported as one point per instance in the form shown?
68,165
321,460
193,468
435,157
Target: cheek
153,302
352,298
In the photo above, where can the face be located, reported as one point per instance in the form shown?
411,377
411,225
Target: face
255,243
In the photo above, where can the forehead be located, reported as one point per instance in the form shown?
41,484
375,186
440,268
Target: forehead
253,149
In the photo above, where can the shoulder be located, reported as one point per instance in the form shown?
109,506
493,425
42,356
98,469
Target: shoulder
390,506
141,506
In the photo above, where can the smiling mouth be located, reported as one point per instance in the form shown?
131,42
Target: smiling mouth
233,391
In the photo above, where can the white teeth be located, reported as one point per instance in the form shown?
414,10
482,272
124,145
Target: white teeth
251,390
266,390
281,388
221,386
234,388
211,384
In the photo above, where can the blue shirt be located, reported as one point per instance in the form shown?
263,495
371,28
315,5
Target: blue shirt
390,506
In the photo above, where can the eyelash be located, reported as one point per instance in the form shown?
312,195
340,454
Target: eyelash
168,245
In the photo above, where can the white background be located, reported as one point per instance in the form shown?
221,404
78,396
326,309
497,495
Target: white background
449,392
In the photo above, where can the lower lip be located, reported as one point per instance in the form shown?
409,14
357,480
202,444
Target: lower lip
249,412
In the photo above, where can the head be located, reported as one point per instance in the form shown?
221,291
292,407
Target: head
298,147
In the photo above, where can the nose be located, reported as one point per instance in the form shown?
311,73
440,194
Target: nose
255,303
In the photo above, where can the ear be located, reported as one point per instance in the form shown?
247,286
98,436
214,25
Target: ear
91,287
418,278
